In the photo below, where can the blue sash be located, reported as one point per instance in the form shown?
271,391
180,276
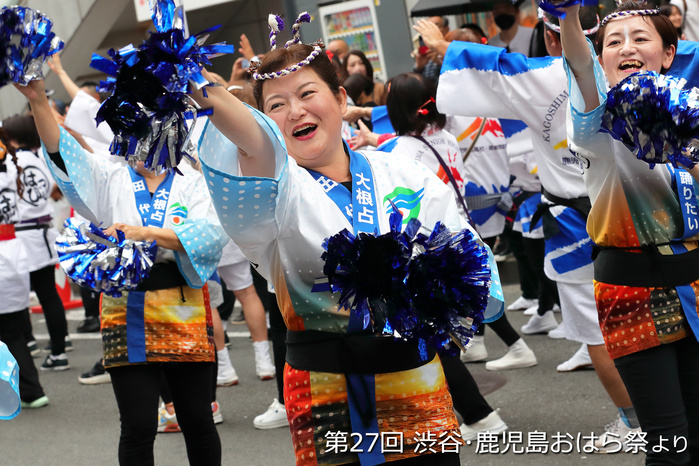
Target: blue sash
152,211
684,185
361,209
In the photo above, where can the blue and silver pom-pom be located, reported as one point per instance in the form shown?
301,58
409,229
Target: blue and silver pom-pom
26,42
148,108
655,118
414,287
103,263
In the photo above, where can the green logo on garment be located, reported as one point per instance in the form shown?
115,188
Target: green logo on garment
406,200
178,213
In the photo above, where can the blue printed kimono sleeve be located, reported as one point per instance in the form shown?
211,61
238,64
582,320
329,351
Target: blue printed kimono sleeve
248,207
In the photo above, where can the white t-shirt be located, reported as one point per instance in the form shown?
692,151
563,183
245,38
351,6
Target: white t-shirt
519,43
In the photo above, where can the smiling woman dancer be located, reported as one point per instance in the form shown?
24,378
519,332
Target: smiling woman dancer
646,272
285,183
165,323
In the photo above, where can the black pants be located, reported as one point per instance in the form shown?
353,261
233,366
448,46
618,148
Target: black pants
91,302
12,330
137,391
528,278
663,383
502,329
43,283
535,250
465,395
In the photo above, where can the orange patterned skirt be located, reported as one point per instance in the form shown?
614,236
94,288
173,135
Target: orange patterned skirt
413,407
170,325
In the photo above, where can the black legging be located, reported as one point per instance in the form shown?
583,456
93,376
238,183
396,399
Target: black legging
91,302
43,283
535,250
465,395
663,383
12,330
137,391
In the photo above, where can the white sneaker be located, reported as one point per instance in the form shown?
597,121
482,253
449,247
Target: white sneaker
263,362
580,360
491,424
559,332
216,412
530,311
167,422
475,351
274,417
518,356
540,324
522,303
226,373
613,440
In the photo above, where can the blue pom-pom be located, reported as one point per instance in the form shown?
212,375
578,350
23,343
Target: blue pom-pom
655,118
26,42
417,288
149,108
103,263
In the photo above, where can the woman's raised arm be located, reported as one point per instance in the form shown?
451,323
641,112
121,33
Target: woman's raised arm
234,120
46,124
577,53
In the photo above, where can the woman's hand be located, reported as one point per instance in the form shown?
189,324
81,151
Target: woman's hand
164,237
131,232
432,36
35,91
363,137
245,47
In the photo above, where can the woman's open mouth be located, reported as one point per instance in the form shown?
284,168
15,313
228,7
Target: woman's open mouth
630,65
305,131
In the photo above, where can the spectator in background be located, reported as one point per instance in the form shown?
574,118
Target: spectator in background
339,48
675,11
357,62
428,63
512,36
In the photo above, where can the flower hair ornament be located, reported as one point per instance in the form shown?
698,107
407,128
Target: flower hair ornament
276,25
424,111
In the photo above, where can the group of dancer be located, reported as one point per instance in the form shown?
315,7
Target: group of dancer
279,180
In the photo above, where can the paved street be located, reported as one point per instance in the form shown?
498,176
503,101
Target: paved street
81,424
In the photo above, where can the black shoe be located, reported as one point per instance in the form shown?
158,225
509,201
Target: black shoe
96,375
227,340
55,363
239,319
89,325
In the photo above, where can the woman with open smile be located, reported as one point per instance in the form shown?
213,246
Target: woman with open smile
283,181
646,267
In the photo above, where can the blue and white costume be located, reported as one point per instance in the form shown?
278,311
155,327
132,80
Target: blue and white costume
486,171
534,90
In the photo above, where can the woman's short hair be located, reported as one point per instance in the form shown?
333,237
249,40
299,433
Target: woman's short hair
408,95
281,58
363,58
